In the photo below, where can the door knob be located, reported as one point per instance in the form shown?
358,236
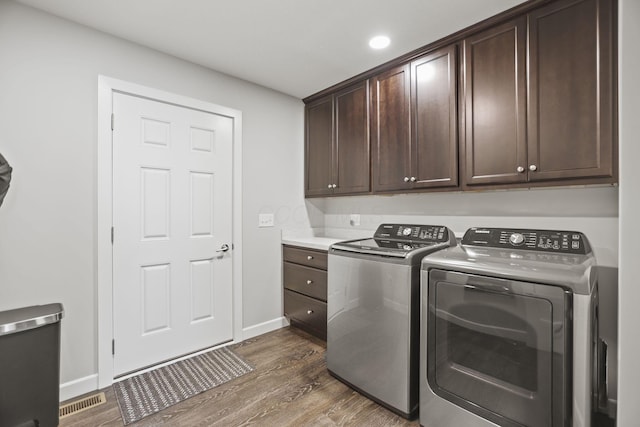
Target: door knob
309,311
520,169
223,248
533,168
406,179
329,186
309,282
413,179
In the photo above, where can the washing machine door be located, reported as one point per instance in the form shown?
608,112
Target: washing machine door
500,348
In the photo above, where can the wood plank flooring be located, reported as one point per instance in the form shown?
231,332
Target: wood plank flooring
289,387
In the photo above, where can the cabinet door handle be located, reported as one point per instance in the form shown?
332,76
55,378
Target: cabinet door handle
520,169
533,168
333,185
406,179
413,179
309,282
329,186
309,311
309,257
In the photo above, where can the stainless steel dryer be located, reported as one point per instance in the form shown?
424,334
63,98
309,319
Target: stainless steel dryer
373,311
509,330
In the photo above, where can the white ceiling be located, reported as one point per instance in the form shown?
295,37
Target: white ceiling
298,47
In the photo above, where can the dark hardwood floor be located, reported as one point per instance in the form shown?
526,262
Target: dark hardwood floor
289,387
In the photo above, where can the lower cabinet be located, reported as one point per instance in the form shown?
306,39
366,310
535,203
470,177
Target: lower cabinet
305,289
306,313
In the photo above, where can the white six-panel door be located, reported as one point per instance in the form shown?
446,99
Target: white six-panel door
172,217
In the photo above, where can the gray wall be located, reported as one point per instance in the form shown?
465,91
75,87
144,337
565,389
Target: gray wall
629,297
48,103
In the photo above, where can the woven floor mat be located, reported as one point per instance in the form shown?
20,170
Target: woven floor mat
153,391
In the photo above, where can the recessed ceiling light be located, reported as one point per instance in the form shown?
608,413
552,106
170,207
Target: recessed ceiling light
379,42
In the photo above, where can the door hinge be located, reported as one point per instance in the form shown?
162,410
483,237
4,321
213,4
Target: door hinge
112,233
113,347
112,120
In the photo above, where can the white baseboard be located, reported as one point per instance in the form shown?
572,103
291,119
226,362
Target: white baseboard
263,328
77,387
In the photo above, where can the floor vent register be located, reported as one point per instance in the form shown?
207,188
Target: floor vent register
82,404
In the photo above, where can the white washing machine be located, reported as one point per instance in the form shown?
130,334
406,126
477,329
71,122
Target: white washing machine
509,330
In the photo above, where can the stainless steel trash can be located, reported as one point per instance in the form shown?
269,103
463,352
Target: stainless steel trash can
30,366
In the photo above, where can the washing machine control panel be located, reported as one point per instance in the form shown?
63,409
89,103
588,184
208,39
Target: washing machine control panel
570,242
414,233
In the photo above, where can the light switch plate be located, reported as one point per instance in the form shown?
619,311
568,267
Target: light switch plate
265,220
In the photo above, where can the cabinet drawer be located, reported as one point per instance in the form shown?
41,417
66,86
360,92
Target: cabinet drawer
306,312
306,280
309,257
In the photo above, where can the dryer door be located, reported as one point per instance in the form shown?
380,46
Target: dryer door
500,348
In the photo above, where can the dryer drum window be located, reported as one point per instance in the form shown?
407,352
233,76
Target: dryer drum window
498,347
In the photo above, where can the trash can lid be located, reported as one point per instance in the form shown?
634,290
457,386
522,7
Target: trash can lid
22,319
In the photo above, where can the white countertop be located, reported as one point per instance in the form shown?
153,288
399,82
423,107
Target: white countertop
321,243
320,239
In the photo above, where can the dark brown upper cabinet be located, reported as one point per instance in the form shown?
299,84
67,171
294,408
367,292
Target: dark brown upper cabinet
539,98
352,140
571,91
319,147
526,98
337,143
495,149
434,120
390,130
414,124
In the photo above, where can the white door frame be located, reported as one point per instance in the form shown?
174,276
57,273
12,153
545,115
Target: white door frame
104,208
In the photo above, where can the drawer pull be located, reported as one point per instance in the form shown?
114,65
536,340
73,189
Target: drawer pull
309,257
309,311
309,282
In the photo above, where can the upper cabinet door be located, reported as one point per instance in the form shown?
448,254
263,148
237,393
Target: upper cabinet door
319,147
390,129
352,140
571,87
434,136
495,105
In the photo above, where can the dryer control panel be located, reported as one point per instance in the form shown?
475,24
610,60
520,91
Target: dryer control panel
569,242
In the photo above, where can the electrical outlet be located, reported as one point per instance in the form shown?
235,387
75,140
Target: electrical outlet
354,219
265,220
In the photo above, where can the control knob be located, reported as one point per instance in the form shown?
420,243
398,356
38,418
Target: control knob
516,239
406,231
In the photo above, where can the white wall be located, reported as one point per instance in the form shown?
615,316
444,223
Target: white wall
629,298
48,132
